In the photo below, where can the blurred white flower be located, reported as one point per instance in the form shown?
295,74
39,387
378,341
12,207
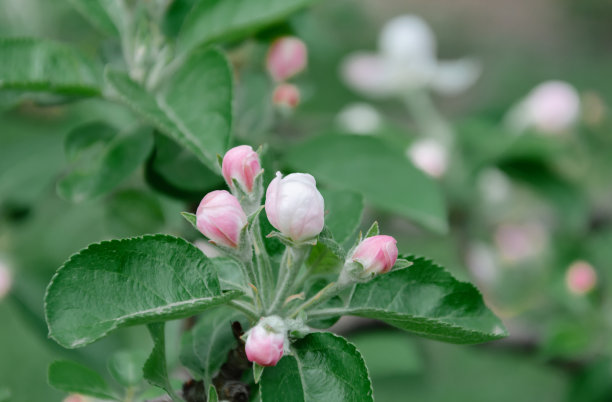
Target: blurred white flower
407,62
482,264
517,242
494,185
359,118
6,279
429,155
550,108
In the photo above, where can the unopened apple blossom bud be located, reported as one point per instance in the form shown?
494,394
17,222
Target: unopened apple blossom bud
580,277
265,342
241,164
377,254
77,398
221,218
295,207
286,96
287,57
6,279
430,156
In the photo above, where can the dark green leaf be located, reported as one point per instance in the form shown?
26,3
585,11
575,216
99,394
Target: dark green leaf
73,377
107,167
155,369
382,174
324,367
126,282
204,349
343,212
43,66
196,107
126,367
427,300
216,20
133,212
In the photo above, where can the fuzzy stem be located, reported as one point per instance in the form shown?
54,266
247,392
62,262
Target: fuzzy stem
427,118
244,308
264,268
290,264
329,291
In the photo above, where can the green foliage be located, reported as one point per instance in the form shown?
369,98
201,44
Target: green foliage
43,66
205,347
343,212
219,20
138,280
323,367
126,367
383,175
427,300
102,168
204,126
99,13
155,369
73,377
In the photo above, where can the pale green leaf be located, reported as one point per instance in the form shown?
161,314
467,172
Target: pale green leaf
73,377
126,367
323,367
39,65
217,20
343,212
97,12
381,173
127,282
155,369
195,109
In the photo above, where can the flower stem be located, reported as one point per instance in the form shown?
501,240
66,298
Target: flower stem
321,296
244,308
290,264
264,268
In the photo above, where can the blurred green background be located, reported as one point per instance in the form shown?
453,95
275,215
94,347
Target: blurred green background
557,193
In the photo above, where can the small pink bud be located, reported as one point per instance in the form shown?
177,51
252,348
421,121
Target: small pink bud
377,254
553,106
286,96
430,156
294,206
221,218
265,344
580,277
287,57
6,280
241,163
76,398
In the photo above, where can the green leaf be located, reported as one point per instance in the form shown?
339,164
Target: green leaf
327,255
83,137
126,367
73,377
427,300
196,107
343,212
104,168
155,369
96,11
118,283
382,174
372,231
212,394
204,349
176,171
323,367
191,218
218,20
43,66
132,212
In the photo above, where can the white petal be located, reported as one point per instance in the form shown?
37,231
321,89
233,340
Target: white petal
407,37
359,118
454,77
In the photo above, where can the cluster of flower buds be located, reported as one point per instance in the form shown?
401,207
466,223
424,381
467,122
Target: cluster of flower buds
286,58
295,207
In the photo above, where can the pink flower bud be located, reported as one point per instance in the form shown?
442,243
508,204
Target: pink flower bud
580,277
552,106
221,218
287,57
265,344
286,96
76,398
377,254
241,163
294,206
6,280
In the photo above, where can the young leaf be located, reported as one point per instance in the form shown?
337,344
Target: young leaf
196,107
212,394
204,349
382,174
427,300
191,218
85,136
155,369
38,65
323,367
216,20
73,377
343,212
107,167
126,367
372,231
127,282
257,372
